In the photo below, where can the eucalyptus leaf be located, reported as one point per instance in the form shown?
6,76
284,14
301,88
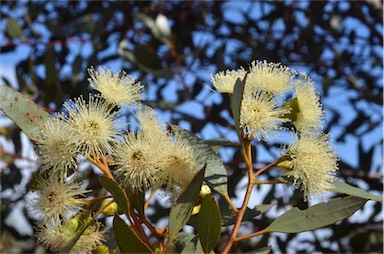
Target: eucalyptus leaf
118,193
236,100
345,188
229,216
182,210
13,28
127,240
215,173
317,216
24,112
194,246
182,239
209,223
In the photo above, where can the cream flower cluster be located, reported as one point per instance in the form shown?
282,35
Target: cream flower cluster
56,204
147,158
264,111
150,158
87,128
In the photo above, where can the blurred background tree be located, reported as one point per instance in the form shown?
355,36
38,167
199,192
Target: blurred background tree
47,46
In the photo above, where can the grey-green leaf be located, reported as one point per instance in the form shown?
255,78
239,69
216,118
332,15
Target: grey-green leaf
236,100
317,216
229,216
126,239
194,246
345,188
117,192
209,223
13,28
182,210
182,239
24,112
215,173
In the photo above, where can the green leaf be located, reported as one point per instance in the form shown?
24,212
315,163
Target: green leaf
117,192
139,200
317,216
216,144
13,28
229,216
345,188
25,113
51,89
194,246
215,173
209,223
182,210
236,100
182,239
127,240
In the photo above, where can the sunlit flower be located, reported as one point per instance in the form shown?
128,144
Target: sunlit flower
311,113
270,77
150,124
224,82
56,146
55,199
313,163
179,168
117,88
93,125
260,115
138,160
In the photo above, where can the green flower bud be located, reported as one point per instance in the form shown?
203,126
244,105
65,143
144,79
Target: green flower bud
111,209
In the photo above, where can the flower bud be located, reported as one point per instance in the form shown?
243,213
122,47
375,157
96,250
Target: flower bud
70,226
111,209
101,249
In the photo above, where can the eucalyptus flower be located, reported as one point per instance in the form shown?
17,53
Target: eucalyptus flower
92,124
311,114
55,199
224,82
313,163
56,146
138,160
150,124
260,115
117,88
270,77
179,166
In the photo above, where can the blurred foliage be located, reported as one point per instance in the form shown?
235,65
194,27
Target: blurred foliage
338,43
